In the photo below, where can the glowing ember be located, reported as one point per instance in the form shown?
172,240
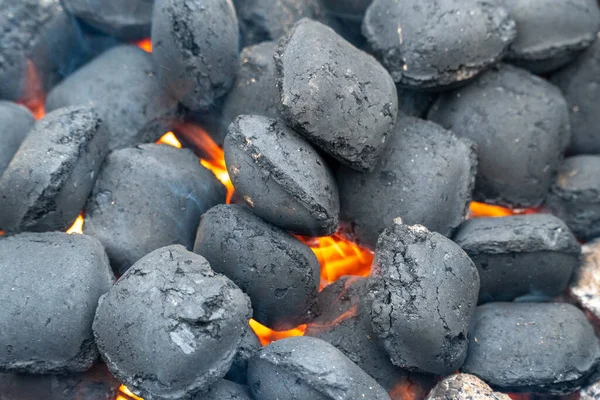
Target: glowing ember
170,139
33,96
482,210
77,226
125,394
267,335
145,44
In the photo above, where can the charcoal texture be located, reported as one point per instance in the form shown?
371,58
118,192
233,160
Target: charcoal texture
415,103
425,176
50,286
247,349
15,123
422,294
281,177
337,96
131,101
532,347
52,174
585,287
525,256
191,318
464,387
225,390
437,44
520,124
550,34
575,195
196,44
305,368
278,272
149,197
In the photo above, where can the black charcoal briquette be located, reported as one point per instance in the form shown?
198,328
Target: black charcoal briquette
337,96
277,271
585,287
15,123
171,326
224,390
247,349
464,387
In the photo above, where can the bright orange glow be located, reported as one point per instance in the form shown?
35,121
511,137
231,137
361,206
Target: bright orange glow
33,96
403,391
170,139
77,226
145,44
126,394
1,233
482,210
267,335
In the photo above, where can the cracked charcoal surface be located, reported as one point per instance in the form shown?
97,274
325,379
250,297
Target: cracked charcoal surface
131,102
224,390
437,44
281,177
532,347
124,19
278,272
585,287
575,196
52,174
519,151
340,98
196,44
426,169
551,34
305,368
523,256
580,83
50,286
148,197
248,347
464,387
191,318
422,295
15,123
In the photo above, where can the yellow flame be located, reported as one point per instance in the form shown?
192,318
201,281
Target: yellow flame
77,226
170,139
267,335
125,391
482,210
145,44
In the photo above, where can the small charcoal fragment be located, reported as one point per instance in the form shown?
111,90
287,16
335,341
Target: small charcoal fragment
550,34
224,390
195,42
519,151
464,387
281,177
171,326
575,196
50,286
131,101
337,96
585,288
532,347
15,123
49,179
437,44
422,294
425,176
531,257
149,197
277,271
305,368
247,349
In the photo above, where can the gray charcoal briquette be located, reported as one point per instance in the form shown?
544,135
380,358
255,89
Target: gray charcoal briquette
15,123
585,287
50,286
422,295
281,177
464,387
437,44
532,347
247,349
224,390
171,326
520,124
49,179
340,98
424,176
277,271
305,368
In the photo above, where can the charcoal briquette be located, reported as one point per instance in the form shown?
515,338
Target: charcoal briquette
51,283
421,297
277,271
464,387
306,368
524,256
247,349
171,326
15,123
224,390
281,177
49,179
585,287
340,98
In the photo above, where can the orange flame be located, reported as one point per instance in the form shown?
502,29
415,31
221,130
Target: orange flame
482,210
169,139
144,44
267,335
126,394
33,96
77,226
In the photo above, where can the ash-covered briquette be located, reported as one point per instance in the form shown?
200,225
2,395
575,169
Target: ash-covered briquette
195,43
277,271
433,45
15,123
224,390
422,295
49,179
131,102
585,287
249,346
337,96
281,177
532,347
523,256
148,197
550,34
50,286
575,196
520,124
127,20
464,387
425,176
306,368
171,326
